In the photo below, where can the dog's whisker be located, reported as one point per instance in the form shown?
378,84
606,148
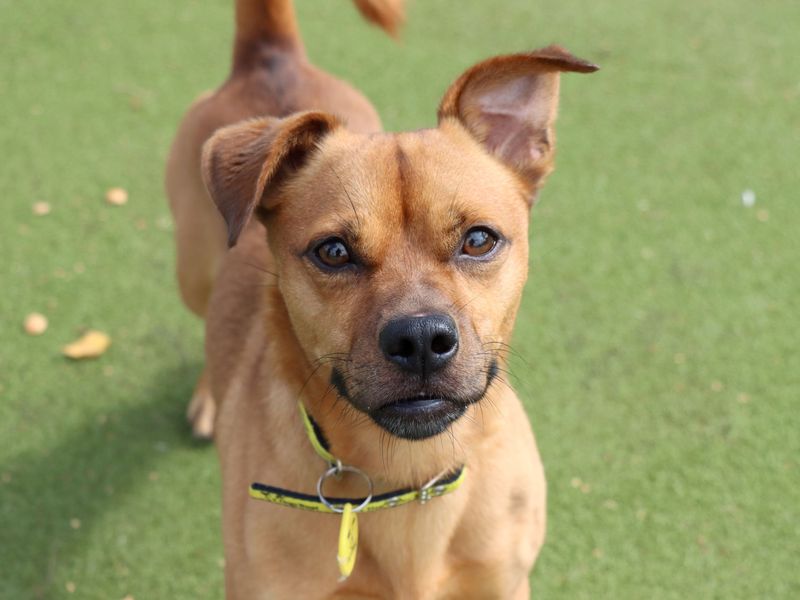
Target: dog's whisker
507,348
260,268
347,194
490,401
459,308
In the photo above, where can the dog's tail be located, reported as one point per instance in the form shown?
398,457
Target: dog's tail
274,21
386,14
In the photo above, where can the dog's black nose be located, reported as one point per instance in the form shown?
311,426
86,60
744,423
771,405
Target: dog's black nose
420,345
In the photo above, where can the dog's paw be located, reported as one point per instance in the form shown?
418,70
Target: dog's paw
202,410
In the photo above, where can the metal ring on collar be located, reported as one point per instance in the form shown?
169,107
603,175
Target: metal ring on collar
335,470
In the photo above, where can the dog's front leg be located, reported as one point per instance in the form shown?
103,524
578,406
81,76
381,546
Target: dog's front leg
202,410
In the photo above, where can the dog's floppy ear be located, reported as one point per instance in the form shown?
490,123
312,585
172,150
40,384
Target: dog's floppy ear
509,104
243,163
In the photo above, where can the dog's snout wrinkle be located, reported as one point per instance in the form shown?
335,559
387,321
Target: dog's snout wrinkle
420,344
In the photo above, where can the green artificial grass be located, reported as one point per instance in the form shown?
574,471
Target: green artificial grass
659,331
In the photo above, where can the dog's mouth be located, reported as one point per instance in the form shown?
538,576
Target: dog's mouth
419,417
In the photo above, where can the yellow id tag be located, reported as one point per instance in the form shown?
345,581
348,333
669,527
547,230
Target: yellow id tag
348,542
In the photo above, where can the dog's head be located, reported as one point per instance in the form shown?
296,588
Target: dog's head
401,257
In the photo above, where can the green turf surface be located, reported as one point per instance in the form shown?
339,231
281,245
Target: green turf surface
659,330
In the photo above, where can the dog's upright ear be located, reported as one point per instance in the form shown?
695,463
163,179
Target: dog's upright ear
244,163
509,104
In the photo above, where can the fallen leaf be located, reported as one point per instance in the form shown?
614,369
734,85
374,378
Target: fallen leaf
90,345
35,324
41,208
117,196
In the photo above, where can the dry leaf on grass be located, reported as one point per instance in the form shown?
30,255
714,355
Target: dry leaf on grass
116,196
90,345
41,208
35,324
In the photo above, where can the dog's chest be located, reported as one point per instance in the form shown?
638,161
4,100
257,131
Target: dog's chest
424,553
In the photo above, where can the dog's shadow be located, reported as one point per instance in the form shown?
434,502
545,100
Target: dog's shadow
50,501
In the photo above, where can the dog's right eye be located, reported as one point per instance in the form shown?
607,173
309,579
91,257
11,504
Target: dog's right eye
332,253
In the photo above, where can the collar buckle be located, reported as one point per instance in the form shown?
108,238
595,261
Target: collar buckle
430,489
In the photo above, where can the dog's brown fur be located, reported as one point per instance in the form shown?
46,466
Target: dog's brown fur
277,324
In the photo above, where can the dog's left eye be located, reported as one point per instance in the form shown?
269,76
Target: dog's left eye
479,241
333,253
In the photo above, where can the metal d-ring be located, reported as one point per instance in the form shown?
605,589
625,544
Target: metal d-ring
336,470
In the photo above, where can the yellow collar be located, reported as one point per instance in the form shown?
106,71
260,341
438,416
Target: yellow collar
313,433
350,507
442,484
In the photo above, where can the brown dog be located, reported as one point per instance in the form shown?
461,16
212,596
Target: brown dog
378,284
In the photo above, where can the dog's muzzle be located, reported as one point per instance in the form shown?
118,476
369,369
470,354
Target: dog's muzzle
415,388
